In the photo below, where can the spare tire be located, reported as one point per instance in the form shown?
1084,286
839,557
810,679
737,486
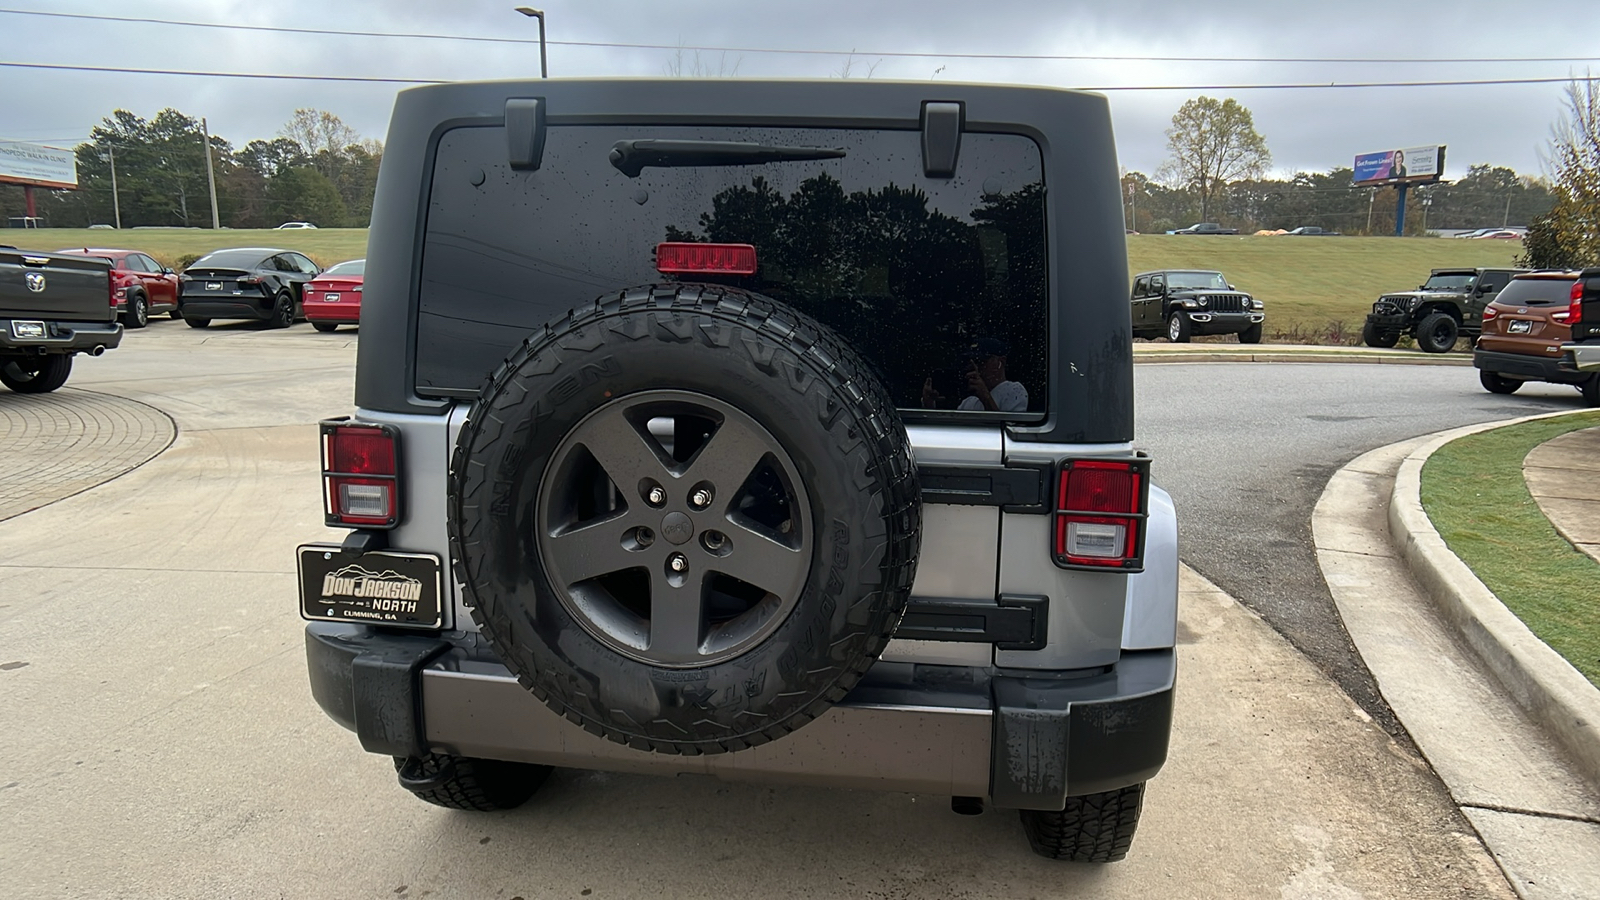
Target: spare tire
686,517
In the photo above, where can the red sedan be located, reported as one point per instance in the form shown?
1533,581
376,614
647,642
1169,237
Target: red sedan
139,285
334,297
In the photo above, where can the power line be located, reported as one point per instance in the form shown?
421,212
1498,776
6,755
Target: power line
810,52
1475,82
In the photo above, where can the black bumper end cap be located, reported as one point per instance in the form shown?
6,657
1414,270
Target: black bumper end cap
370,682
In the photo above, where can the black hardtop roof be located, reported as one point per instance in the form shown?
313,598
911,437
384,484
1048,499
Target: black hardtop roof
1473,270
1170,271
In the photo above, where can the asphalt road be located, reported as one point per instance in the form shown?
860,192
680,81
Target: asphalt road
160,741
1247,448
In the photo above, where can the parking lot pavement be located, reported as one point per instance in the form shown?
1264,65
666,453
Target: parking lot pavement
161,740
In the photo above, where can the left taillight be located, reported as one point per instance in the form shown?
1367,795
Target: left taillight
360,474
1575,303
1101,507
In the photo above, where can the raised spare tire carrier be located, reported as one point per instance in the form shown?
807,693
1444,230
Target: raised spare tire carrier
686,517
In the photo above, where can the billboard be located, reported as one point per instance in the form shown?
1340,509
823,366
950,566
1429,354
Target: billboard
37,165
1396,166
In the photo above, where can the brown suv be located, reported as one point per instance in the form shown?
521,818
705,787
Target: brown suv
1523,330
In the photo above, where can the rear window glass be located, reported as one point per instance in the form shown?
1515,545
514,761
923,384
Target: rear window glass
237,259
1537,291
937,282
353,267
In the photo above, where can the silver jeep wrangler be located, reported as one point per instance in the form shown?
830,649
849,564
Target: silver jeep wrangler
776,431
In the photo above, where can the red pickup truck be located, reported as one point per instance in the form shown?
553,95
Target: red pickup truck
139,285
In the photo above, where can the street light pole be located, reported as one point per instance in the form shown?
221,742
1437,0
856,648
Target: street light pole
544,69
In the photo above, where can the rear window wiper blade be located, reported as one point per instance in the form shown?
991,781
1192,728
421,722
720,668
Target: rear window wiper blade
632,157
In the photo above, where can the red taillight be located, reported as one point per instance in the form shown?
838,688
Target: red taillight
250,280
709,259
1575,308
359,475
1100,510
1490,313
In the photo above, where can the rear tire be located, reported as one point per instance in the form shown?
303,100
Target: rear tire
1591,391
176,313
464,782
1096,828
193,322
282,312
36,375
324,326
1438,333
1251,335
1372,337
1495,383
137,314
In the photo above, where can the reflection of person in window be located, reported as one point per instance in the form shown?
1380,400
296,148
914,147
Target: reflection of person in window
989,389
1398,168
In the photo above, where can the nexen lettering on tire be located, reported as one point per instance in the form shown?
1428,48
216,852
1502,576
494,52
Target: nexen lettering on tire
810,393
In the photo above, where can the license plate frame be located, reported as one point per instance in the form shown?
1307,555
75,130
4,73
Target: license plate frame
213,285
331,297
29,330
1519,326
381,587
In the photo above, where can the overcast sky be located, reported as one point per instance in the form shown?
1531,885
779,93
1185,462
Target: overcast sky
1306,130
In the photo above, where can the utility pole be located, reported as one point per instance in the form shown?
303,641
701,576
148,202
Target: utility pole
211,178
1133,207
116,204
1506,219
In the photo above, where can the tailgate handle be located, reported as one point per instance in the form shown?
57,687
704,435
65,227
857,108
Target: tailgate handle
36,260
525,132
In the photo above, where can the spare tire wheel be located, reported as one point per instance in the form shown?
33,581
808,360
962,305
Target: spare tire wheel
686,517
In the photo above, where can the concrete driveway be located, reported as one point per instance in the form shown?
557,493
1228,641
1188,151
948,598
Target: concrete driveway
160,740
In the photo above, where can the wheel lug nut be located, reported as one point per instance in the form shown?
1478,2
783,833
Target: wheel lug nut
678,562
657,496
701,498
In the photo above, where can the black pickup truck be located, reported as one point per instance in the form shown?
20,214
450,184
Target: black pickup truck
1583,316
52,308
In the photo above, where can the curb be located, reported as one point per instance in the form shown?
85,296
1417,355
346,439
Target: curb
1553,693
1297,357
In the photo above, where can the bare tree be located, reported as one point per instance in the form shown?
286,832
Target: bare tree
1213,142
323,136
694,67
848,69
1569,235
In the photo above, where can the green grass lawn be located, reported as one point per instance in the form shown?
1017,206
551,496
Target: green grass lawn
1310,285
171,245
1474,492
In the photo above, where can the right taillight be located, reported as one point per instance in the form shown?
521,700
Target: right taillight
1490,313
1575,308
360,474
1101,506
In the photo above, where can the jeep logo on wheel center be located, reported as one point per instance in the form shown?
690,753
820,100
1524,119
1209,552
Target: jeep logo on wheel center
677,528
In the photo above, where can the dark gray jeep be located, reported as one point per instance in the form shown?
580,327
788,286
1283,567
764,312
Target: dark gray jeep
773,431
1446,307
1181,303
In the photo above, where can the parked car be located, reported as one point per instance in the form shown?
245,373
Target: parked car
1205,228
245,283
1311,231
622,504
1447,306
52,307
292,225
334,297
1179,303
140,286
1500,234
1523,333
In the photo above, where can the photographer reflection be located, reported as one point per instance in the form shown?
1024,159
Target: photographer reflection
986,384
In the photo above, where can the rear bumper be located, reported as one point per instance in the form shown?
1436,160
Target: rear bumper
61,337
1025,742
1581,357
336,313
1529,368
230,308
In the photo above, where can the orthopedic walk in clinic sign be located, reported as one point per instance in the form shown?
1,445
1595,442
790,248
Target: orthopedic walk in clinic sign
37,165
1395,166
